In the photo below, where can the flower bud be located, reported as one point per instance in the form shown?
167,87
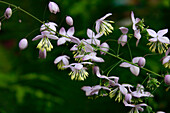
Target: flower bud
167,79
69,20
42,53
8,13
105,47
141,62
23,43
53,7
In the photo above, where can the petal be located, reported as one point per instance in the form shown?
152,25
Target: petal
135,70
61,41
153,39
151,32
52,37
125,64
98,35
65,61
86,57
97,27
86,63
162,32
57,60
132,17
137,34
69,20
123,40
97,59
107,15
166,59
164,39
105,47
70,31
137,20
123,90
167,52
90,33
124,30
62,31
96,71
74,48
136,59
75,40
78,66
38,37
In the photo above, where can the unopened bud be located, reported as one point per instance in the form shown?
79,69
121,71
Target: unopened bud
69,20
42,53
53,7
8,13
141,62
23,43
167,79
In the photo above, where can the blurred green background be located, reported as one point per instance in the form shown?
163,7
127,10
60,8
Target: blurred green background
32,85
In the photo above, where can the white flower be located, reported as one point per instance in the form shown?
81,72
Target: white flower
62,61
158,40
78,71
123,38
8,13
63,32
23,44
104,26
53,7
69,20
134,21
104,47
93,38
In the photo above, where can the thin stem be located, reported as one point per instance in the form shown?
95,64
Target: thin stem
113,67
129,50
118,49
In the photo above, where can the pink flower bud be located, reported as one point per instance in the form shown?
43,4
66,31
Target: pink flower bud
141,62
8,13
53,7
42,53
23,43
69,20
167,79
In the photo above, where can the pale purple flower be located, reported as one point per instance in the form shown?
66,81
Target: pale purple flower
137,35
49,28
104,47
69,20
78,71
166,59
94,90
104,26
123,38
134,21
8,13
141,62
23,44
42,53
93,38
134,69
167,79
62,61
0,25
65,36
53,7
128,97
158,40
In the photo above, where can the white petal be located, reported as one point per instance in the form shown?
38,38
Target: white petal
166,59
136,59
132,17
125,64
123,40
107,15
153,39
164,40
151,32
162,32
98,35
124,30
90,33
78,66
105,47
137,34
69,20
70,31
123,90
61,41
97,27
74,48
135,70
75,40
52,37
58,59
65,61
97,59
137,20
38,37
62,31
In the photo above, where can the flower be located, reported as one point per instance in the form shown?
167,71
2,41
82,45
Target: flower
42,53
93,90
23,44
104,26
93,38
68,34
46,34
62,61
123,38
134,69
53,7
78,71
158,40
104,47
69,20
0,25
166,59
8,13
167,79
134,21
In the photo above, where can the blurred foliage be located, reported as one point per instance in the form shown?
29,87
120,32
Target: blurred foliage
32,85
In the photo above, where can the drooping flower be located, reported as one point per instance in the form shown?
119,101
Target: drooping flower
134,21
94,90
8,13
158,41
69,20
166,59
123,38
167,79
23,44
68,34
134,69
104,47
62,61
78,71
53,7
46,34
42,53
93,38
104,26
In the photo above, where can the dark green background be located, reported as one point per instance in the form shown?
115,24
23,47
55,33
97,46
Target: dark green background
31,85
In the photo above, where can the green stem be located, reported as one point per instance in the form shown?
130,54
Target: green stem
113,67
